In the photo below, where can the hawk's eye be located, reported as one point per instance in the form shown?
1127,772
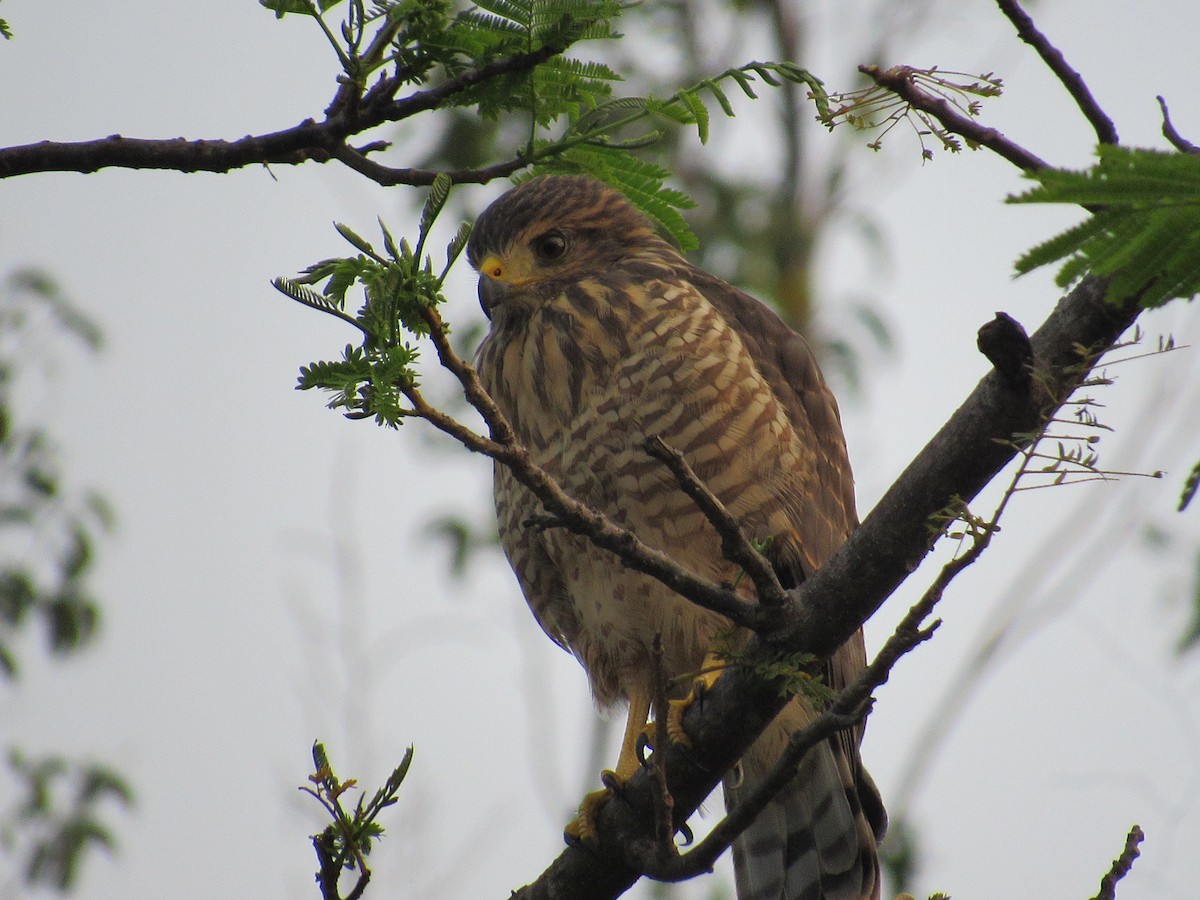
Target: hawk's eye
550,246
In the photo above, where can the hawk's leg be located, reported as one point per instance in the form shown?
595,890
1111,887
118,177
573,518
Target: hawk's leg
710,671
583,826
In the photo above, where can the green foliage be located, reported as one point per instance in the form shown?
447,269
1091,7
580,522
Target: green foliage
57,820
397,286
398,283
570,95
47,529
1189,487
346,841
794,673
1144,231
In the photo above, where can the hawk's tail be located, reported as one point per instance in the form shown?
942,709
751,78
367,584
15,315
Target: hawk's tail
817,839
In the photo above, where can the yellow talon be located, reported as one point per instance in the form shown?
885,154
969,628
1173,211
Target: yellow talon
583,826
710,671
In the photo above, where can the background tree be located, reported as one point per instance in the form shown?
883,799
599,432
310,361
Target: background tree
192,324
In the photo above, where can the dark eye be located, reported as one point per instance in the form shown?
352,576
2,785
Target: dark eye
550,246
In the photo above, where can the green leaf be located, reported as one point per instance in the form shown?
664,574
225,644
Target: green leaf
640,181
455,248
1189,487
439,192
282,7
359,243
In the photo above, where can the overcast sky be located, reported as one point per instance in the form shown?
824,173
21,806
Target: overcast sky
269,553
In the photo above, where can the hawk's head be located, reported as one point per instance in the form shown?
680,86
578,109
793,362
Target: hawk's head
551,231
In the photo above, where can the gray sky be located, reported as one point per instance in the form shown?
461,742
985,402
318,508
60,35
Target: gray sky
270,552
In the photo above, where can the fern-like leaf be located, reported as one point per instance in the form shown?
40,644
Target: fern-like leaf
1144,236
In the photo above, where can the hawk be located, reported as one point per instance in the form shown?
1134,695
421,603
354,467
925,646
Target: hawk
602,335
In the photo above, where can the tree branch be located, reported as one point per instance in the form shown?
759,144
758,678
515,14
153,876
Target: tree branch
1106,131
567,512
1121,865
1178,141
735,546
899,81
309,140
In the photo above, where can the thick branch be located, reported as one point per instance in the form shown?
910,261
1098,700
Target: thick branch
309,140
973,446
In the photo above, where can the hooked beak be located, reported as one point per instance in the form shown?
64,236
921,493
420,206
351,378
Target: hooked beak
492,293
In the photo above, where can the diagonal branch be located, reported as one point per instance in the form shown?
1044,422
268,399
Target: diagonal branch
899,81
568,512
735,546
1121,865
1106,131
849,709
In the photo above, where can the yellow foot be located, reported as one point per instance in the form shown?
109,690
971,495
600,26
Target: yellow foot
710,671
583,826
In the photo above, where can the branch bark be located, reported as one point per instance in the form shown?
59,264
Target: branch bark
308,140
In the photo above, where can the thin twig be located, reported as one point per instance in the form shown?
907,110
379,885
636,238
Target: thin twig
899,81
1106,131
1178,141
664,804
847,710
577,517
1121,865
734,544
390,176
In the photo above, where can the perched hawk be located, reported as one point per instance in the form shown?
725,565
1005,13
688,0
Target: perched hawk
603,335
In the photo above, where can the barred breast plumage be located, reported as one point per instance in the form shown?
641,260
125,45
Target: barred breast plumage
602,336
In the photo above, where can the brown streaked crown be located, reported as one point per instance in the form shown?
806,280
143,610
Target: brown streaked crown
600,225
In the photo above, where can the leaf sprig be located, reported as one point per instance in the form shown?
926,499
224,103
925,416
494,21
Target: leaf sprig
347,840
397,285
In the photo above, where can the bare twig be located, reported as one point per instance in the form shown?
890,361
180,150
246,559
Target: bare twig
898,79
390,176
734,544
1106,131
569,513
847,710
1178,141
664,804
1121,865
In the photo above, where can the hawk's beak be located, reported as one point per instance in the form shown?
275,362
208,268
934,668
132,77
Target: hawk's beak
492,293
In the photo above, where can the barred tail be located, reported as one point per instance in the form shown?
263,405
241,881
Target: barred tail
818,839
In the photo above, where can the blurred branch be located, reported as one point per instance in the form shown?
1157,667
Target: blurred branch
1178,141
